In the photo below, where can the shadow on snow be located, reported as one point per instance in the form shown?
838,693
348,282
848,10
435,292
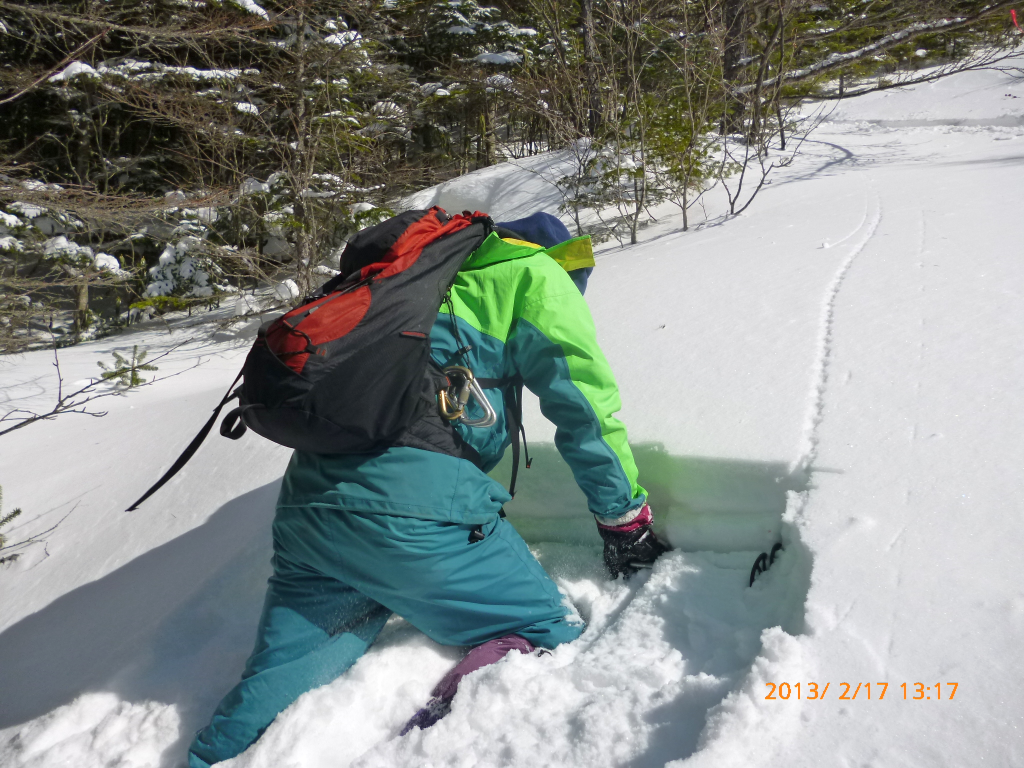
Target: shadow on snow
174,625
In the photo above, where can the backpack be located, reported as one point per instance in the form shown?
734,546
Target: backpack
349,370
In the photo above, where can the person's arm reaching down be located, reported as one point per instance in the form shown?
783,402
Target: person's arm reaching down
554,347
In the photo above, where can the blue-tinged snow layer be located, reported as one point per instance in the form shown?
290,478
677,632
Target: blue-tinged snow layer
703,504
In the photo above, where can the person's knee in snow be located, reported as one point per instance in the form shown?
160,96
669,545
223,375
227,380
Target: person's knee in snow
481,656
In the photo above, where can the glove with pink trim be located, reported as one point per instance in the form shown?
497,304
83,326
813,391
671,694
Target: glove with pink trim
630,544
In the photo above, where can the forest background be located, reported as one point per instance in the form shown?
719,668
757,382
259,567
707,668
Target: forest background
162,156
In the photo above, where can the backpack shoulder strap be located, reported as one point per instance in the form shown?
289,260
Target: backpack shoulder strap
189,452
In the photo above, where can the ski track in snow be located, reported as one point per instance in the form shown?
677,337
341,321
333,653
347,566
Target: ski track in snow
823,346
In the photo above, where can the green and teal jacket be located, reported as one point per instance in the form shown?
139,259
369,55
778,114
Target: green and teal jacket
520,314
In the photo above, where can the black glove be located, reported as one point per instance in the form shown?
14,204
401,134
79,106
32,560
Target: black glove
632,546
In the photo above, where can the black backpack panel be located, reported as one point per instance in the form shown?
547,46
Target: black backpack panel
352,381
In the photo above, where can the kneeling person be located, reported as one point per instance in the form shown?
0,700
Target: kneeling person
418,529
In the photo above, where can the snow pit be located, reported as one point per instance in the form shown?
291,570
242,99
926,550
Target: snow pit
703,504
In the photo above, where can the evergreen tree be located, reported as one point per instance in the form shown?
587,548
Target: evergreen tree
126,370
5,520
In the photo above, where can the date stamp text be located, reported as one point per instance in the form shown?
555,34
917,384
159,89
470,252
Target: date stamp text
847,691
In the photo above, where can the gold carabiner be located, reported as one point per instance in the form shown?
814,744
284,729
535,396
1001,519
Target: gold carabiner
467,389
447,408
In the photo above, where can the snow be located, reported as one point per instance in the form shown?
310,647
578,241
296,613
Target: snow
247,108
981,99
252,186
434,89
286,290
207,214
836,59
7,221
60,247
176,269
507,191
105,261
28,210
508,57
73,70
145,71
342,39
838,369
251,7
500,83
9,243
38,186
99,729
388,110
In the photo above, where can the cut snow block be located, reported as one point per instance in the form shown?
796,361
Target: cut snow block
702,504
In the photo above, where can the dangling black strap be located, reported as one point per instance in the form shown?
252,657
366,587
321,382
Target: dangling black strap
193,446
515,412
515,452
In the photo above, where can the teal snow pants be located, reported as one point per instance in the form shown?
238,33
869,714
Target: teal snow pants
338,577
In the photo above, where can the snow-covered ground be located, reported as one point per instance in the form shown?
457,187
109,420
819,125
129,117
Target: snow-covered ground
839,368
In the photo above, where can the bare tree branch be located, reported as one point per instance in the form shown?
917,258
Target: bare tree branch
76,401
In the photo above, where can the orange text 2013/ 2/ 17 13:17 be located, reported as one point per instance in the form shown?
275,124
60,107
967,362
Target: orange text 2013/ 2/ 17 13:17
847,692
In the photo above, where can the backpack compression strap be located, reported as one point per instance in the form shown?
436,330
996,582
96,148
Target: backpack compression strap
189,452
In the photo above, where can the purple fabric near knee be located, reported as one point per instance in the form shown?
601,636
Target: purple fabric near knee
481,656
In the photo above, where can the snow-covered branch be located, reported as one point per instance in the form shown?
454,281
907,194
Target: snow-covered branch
837,60
57,14
46,75
925,76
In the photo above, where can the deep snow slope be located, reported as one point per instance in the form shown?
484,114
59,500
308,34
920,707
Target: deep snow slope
838,368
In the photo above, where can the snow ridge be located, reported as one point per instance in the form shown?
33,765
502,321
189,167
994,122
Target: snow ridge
823,355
